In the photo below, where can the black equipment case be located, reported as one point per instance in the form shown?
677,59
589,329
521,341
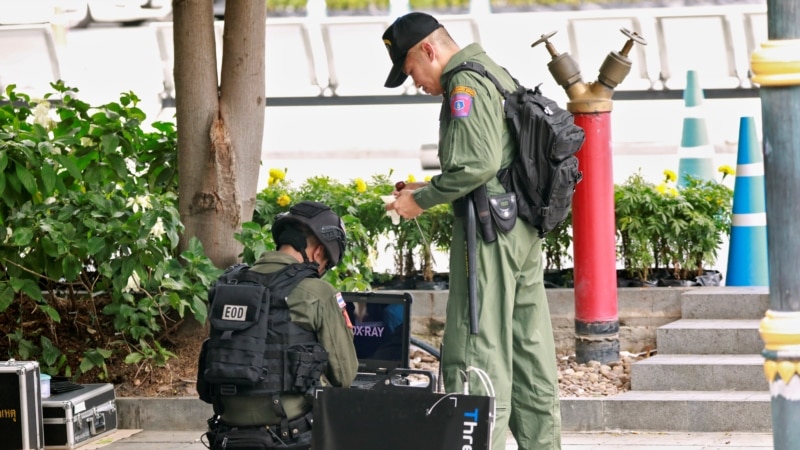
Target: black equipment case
20,406
400,416
77,417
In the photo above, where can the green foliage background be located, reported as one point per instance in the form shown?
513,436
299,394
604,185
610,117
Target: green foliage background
89,231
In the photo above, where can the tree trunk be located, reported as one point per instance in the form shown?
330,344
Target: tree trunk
220,129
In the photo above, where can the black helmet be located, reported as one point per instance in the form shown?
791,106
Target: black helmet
323,222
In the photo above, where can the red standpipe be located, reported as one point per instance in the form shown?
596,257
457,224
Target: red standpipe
594,244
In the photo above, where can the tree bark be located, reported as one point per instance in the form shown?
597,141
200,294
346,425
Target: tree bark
220,126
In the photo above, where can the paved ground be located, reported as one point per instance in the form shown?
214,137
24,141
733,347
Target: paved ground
165,440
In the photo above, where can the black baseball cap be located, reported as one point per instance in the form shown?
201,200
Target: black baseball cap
403,34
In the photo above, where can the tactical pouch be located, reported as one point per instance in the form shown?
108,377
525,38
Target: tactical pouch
240,438
237,356
307,363
504,211
204,390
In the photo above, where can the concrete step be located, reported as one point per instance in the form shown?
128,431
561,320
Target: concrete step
709,337
693,411
699,373
725,303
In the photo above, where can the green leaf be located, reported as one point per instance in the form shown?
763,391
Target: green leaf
50,353
6,296
134,358
200,309
26,349
31,289
50,311
118,164
86,365
72,267
22,236
69,164
50,248
48,179
26,178
96,244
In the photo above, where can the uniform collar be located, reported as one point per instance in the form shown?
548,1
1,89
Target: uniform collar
465,54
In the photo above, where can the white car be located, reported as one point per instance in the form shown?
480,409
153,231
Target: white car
80,13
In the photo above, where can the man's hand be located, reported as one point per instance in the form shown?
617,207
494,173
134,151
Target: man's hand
404,203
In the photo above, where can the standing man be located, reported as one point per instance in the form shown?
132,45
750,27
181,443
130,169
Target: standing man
515,341
307,327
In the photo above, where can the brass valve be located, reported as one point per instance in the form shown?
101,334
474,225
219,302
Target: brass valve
595,96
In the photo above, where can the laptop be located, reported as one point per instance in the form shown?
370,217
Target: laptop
381,333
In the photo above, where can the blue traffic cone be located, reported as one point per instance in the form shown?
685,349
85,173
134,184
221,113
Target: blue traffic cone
747,256
696,154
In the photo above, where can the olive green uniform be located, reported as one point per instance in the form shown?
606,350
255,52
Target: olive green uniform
312,305
515,340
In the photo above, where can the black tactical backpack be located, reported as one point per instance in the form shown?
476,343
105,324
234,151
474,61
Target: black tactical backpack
250,326
545,171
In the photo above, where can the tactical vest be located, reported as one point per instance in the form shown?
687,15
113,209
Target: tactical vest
254,348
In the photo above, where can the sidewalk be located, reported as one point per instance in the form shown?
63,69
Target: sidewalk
166,440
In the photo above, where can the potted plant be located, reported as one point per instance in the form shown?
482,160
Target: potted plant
670,233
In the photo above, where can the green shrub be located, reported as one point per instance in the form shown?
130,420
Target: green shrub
89,228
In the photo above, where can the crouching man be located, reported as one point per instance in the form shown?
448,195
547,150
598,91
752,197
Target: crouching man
277,332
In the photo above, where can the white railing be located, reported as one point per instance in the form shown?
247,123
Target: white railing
343,56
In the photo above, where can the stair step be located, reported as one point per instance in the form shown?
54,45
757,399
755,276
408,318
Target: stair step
709,337
725,303
699,373
695,411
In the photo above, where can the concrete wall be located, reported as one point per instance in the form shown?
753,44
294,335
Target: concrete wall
640,311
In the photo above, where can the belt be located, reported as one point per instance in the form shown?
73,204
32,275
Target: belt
297,426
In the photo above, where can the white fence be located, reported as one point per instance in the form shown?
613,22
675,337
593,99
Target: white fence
344,56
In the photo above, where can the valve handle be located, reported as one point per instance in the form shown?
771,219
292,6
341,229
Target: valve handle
544,38
633,36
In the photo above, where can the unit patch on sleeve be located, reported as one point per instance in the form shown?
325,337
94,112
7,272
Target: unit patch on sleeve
461,101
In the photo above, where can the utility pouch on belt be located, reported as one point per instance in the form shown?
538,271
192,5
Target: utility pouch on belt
481,200
504,210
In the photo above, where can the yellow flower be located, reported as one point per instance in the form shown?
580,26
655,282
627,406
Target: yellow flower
361,186
284,200
669,176
411,178
662,188
428,178
726,170
277,174
271,181
673,192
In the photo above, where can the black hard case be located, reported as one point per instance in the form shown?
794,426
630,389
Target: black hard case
20,405
78,417
400,416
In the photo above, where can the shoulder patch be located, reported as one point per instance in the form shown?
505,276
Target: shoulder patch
340,300
460,105
463,90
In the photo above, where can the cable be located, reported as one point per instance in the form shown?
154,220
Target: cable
487,386
430,410
426,347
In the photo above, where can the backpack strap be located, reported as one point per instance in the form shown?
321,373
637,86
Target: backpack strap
283,281
477,67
